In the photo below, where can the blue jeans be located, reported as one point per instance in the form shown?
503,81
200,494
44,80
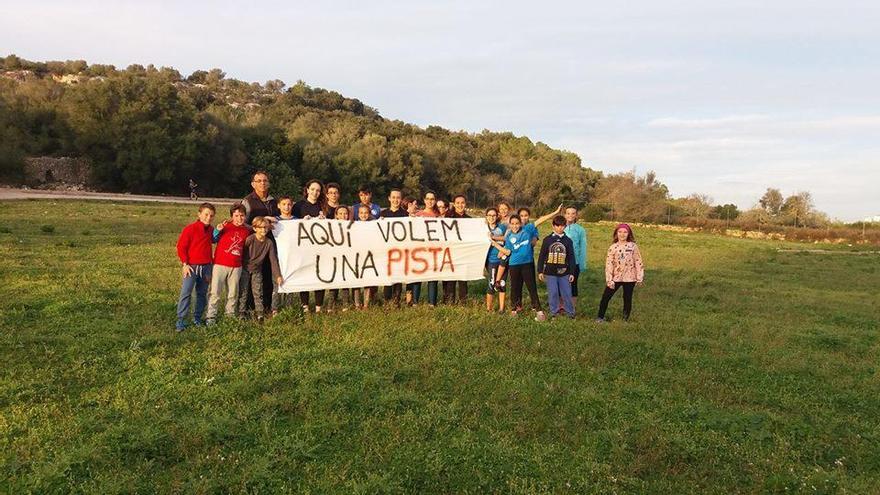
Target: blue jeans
200,280
416,289
432,293
559,287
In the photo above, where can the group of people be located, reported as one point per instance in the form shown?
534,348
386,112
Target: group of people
244,265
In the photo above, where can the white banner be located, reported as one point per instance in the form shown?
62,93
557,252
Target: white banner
334,254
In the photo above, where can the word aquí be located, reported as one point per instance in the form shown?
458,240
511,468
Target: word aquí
338,233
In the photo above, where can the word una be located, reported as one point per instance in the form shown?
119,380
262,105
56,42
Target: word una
345,267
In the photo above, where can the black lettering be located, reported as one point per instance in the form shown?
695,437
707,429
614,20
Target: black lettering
333,240
449,227
318,269
346,264
325,238
399,234
369,263
430,230
412,235
386,232
303,233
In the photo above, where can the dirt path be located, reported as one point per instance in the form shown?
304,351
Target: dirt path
7,193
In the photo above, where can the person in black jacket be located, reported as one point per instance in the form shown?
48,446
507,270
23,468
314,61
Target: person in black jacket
557,267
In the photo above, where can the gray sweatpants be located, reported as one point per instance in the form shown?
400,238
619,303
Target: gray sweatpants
225,279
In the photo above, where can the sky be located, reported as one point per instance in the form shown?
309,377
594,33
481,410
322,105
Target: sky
724,100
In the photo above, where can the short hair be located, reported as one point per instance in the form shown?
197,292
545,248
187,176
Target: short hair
524,209
462,196
365,189
491,208
259,222
393,189
237,207
285,198
514,217
559,220
259,172
505,203
333,185
571,207
207,206
347,210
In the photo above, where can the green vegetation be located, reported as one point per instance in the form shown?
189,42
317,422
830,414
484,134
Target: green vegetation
149,130
745,370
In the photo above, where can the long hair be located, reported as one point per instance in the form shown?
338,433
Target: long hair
630,237
322,199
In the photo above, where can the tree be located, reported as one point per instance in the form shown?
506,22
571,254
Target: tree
634,198
695,205
771,201
197,77
274,85
725,212
796,209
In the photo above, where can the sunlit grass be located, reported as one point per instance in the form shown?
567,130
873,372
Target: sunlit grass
743,370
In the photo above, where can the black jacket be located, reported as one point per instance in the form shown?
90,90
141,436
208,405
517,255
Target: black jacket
557,256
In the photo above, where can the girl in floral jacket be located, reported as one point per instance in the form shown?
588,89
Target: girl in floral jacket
623,267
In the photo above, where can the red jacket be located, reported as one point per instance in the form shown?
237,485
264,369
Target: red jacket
230,245
194,244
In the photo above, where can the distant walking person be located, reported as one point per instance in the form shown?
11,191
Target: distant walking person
192,190
623,267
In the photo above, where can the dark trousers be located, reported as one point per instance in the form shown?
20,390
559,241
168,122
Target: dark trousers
455,291
340,298
627,298
519,275
319,298
392,293
432,293
251,284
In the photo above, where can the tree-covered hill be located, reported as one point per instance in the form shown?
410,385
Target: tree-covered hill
148,130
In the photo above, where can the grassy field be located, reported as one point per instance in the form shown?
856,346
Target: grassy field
743,370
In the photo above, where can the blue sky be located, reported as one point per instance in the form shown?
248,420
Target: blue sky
723,100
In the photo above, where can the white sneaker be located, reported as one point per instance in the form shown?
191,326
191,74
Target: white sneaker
540,316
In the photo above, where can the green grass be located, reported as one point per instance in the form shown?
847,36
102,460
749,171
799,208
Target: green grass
744,370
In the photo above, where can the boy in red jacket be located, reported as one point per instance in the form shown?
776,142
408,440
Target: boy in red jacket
229,236
194,251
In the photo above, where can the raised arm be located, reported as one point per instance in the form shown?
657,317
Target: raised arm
548,216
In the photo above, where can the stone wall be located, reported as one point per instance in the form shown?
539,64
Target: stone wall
45,171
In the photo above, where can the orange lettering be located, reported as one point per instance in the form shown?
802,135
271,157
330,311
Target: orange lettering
394,256
417,259
447,260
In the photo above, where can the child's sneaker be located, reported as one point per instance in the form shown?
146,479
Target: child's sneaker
180,326
210,322
260,320
540,316
600,320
